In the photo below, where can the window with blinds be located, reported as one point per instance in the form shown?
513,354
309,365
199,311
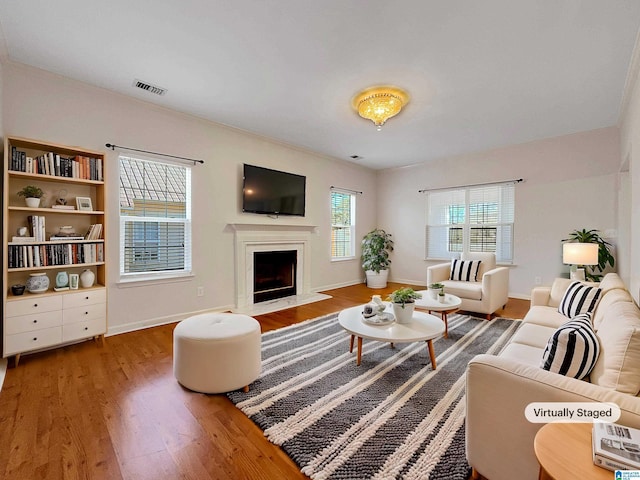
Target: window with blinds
155,218
343,222
471,219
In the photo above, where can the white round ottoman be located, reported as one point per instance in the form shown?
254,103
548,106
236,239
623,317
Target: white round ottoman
217,352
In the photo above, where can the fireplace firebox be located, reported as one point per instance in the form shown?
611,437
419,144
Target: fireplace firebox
274,275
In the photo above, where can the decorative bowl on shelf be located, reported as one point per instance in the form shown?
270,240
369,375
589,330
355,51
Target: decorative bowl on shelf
37,283
17,289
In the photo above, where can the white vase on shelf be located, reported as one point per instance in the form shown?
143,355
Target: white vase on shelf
87,277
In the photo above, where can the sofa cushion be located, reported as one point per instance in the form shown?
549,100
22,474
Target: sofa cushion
534,335
619,364
611,281
469,290
546,316
573,349
579,298
464,270
521,353
609,298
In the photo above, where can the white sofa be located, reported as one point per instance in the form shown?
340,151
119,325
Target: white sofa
499,437
486,295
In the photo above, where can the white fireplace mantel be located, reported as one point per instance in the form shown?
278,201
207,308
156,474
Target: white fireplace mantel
260,237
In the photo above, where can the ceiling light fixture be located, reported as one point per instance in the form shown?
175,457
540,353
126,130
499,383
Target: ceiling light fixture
379,104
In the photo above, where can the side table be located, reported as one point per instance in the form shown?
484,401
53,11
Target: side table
564,452
451,304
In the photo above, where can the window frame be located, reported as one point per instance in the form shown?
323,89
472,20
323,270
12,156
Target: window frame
467,214
153,275
351,227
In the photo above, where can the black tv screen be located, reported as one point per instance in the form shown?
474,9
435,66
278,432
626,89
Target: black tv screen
272,192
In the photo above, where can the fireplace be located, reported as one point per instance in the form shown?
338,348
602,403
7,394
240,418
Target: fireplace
274,274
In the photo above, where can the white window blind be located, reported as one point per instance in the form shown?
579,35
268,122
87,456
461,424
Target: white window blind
155,218
343,205
472,219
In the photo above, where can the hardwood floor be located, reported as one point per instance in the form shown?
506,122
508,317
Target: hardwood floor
115,411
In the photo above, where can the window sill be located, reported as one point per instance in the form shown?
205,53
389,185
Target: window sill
343,259
145,280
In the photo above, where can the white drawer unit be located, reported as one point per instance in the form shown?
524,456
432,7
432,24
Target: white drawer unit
33,304
87,297
27,341
37,322
87,312
80,330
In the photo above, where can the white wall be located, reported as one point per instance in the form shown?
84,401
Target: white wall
630,162
51,108
570,183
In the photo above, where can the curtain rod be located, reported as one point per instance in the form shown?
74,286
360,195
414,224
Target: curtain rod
345,190
517,180
113,147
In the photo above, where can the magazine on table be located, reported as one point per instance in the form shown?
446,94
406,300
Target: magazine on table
616,447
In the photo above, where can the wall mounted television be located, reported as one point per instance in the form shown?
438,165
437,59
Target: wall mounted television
272,192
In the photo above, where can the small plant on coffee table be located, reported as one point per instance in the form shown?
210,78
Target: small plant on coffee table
404,295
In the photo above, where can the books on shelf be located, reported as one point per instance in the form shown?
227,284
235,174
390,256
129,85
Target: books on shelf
616,447
94,232
44,255
53,164
17,239
65,238
37,225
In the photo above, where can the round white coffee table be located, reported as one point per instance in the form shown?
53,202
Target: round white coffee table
451,304
422,328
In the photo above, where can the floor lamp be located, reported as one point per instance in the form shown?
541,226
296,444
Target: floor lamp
577,255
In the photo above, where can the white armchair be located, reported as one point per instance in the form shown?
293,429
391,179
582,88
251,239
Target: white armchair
486,295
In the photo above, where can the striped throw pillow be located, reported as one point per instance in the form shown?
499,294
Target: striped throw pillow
579,298
464,270
573,349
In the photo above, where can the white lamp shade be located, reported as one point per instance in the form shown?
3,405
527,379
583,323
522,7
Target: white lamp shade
580,253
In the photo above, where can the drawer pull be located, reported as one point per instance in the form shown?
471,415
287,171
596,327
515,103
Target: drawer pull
35,321
35,339
86,313
35,305
86,298
86,328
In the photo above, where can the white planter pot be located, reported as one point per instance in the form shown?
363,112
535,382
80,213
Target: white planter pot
434,293
403,315
32,202
377,280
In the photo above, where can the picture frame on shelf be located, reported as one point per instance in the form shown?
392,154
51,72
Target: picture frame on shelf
84,204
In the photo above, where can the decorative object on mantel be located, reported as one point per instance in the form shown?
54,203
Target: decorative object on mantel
380,103
403,301
604,255
376,246
32,195
87,278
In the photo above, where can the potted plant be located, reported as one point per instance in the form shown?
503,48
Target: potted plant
403,302
605,257
32,195
441,298
435,289
376,246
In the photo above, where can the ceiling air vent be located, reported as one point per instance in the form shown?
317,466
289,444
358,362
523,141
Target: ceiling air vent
149,88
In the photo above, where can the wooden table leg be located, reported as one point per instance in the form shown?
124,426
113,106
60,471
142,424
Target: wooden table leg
359,351
446,324
432,354
351,344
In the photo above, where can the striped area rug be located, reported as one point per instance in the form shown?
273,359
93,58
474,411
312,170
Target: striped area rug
391,417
